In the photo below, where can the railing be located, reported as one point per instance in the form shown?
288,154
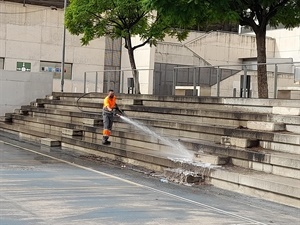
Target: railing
103,80
219,81
212,76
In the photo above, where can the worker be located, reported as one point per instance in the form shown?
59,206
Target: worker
109,104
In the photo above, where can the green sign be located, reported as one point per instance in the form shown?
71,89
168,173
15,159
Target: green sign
23,66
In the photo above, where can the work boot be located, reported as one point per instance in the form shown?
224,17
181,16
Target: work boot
105,140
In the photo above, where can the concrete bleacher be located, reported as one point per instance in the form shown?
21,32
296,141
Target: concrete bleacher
254,143
292,92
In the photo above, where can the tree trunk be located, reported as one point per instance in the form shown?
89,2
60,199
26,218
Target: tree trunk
135,73
262,78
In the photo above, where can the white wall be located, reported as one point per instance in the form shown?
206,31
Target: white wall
144,59
287,43
174,53
20,88
35,33
224,48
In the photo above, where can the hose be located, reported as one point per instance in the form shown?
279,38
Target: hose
77,104
97,113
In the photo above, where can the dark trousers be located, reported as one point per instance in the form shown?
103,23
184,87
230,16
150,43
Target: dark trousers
107,123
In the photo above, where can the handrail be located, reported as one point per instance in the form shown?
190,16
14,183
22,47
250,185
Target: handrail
233,65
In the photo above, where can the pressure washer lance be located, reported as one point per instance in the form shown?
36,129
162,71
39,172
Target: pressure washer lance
118,112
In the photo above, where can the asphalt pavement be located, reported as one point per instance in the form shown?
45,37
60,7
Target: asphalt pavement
42,185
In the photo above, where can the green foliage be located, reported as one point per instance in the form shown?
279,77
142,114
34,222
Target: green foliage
183,13
260,13
117,19
256,14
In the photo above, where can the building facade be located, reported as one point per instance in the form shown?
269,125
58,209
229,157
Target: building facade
31,40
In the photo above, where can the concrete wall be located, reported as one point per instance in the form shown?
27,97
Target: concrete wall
287,43
222,48
20,88
34,33
175,53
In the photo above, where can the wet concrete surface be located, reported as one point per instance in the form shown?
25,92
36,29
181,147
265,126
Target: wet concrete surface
41,185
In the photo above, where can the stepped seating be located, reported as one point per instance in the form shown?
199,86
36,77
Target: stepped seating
255,143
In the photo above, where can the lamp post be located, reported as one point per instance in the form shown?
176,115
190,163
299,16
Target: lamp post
63,51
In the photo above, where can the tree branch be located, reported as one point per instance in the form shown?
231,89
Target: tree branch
97,16
246,21
126,43
144,43
273,9
116,23
130,25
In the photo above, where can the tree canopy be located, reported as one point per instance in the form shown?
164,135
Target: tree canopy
256,14
119,19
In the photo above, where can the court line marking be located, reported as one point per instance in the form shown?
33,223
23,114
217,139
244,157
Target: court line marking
251,221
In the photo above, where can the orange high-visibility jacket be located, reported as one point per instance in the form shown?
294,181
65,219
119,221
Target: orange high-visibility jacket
110,102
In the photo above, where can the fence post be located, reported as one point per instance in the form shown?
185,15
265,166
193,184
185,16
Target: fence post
84,83
218,81
275,80
194,82
122,81
245,83
108,81
96,82
174,81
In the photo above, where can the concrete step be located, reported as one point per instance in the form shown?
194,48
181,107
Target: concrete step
5,119
192,130
69,118
124,137
71,113
183,118
254,158
239,142
295,149
292,111
50,142
274,122
280,189
128,137
271,187
265,126
272,168
217,113
235,153
293,128
156,112
196,99
184,129
207,106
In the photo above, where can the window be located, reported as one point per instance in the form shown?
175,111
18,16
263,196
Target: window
24,66
55,68
1,63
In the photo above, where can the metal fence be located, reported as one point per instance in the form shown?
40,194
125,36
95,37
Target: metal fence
121,81
220,81
193,79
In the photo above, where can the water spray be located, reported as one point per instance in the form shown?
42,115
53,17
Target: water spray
174,144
